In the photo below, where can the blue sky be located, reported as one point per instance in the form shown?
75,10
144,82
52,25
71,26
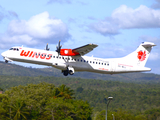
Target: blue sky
118,27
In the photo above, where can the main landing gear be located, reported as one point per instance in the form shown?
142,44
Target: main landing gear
66,72
6,61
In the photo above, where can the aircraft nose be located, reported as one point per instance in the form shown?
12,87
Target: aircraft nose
4,54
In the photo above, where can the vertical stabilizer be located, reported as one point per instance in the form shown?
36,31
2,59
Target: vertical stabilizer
140,56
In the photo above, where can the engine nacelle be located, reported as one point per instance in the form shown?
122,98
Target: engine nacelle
68,52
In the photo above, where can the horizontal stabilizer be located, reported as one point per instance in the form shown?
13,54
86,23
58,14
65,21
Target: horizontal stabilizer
148,44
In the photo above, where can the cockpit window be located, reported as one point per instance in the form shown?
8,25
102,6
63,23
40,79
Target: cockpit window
14,49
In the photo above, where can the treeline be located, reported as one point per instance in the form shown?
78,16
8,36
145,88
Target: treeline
135,101
17,70
43,101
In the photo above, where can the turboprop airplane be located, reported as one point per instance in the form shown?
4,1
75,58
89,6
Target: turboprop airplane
71,60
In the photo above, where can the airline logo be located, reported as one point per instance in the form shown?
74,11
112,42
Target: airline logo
141,55
35,54
66,51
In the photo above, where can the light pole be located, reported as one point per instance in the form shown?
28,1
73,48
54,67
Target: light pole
108,101
113,116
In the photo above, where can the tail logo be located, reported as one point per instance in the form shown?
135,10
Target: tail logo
141,55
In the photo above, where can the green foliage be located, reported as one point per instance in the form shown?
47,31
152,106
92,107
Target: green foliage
42,101
133,100
1,89
118,115
18,108
153,114
79,89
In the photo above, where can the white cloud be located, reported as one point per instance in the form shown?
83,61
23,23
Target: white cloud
156,5
142,17
127,18
105,27
37,30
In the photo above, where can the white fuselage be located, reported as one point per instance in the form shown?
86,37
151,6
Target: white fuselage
77,63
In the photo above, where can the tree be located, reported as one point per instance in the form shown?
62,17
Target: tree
42,101
153,114
79,89
82,110
65,92
1,89
19,110
58,109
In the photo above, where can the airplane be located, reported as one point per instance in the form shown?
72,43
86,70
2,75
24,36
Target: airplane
71,60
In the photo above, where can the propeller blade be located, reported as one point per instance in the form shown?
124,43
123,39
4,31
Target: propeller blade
47,47
59,47
59,43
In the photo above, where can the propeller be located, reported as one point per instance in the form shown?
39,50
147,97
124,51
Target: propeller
47,47
58,47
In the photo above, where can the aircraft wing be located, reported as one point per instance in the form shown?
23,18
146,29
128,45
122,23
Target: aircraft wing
85,49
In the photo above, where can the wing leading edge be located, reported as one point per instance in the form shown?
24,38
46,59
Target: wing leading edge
85,49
